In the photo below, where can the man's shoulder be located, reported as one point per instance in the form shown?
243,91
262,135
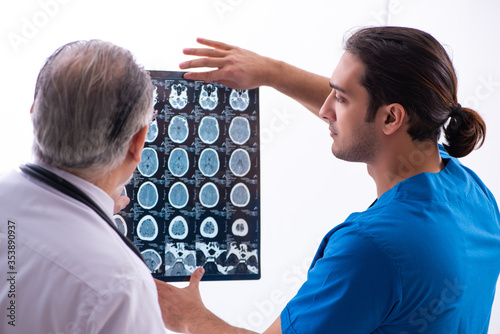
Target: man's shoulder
65,238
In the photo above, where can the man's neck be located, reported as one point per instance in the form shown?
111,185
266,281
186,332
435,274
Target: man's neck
398,164
109,182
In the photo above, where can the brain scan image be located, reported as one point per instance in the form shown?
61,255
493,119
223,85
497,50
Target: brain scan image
208,130
178,129
120,224
209,228
211,257
152,259
147,229
242,259
178,195
239,99
239,163
179,261
152,131
240,227
195,193
178,162
178,96
208,162
178,228
149,162
147,196
209,195
208,97
240,195
239,130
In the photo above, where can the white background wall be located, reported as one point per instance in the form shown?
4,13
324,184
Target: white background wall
305,191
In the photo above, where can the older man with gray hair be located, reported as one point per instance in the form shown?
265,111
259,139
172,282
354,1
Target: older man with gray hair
68,269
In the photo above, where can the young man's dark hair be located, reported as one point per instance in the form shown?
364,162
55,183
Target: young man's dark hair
410,67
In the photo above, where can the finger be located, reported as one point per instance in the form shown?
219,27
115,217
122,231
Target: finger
203,52
212,76
214,44
124,200
120,203
194,281
203,62
209,76
230,84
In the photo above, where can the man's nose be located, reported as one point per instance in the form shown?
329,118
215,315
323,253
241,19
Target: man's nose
327,111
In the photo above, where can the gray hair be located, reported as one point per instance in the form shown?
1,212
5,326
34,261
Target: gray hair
91,98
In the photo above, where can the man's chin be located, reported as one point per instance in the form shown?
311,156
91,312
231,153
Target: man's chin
346,155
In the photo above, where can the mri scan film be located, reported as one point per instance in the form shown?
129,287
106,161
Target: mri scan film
195,196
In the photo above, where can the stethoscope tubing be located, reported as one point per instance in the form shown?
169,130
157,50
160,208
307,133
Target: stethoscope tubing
56,182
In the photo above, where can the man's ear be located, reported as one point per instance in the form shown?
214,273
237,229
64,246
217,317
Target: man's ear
137,144
392,118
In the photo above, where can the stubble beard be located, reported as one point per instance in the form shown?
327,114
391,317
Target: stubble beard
361,146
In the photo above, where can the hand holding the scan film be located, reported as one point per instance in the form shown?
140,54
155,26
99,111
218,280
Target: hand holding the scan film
182,309
121,200
237,68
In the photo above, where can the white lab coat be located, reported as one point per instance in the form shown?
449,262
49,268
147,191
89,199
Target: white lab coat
69,271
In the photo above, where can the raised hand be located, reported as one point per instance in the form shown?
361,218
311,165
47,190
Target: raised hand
236,67
182,308
121,201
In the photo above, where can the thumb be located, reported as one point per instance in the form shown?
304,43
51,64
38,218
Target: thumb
120,204
195,279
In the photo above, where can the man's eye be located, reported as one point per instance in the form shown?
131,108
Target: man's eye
338,99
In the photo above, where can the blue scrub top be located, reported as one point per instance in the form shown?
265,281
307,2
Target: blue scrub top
425,258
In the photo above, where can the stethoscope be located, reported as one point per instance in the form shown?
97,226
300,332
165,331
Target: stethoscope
67,188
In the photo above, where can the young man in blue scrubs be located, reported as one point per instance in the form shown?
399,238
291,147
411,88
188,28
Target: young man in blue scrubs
425,257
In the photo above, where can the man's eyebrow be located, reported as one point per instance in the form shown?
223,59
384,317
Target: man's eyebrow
337,88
